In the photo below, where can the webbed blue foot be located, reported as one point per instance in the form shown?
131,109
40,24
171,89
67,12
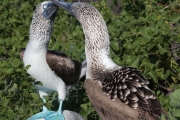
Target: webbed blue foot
49,115
56,115
42,115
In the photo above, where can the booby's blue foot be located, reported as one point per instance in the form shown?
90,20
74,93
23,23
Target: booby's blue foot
42,115
55,116
49,115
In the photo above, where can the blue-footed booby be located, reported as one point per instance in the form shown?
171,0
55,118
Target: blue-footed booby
55,70
118,83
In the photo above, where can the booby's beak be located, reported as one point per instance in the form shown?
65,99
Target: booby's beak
65,5
49,10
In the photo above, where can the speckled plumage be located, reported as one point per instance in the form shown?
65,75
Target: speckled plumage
131,87
96,39
125,83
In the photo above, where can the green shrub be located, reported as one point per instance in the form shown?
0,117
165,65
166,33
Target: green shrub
141,36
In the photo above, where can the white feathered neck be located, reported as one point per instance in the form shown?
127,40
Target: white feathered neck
96,39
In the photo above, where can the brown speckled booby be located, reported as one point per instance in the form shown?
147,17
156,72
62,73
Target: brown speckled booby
119,84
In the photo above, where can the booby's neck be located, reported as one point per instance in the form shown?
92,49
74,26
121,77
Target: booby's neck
38,42
40,32
97,44
96,37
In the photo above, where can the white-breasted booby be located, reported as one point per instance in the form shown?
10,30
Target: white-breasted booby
126,84
55,70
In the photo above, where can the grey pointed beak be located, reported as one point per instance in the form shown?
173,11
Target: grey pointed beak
65,5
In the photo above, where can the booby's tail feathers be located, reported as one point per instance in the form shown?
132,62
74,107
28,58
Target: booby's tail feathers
83,69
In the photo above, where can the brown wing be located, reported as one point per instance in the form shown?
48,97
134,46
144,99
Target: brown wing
112,110
130,86
68,70
65,68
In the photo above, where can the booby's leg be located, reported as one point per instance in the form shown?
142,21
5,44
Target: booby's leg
42,94
56,115
61,96
45,112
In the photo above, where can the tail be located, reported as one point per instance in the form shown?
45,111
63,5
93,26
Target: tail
83,69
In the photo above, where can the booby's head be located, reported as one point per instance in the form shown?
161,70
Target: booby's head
82,11
43,21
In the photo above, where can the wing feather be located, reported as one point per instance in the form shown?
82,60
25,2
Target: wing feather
131,87
68,70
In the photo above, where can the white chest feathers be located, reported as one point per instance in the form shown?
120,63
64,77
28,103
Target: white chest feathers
40,70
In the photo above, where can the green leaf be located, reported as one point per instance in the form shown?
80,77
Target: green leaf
160,73
168,72
175,98
35,96
135,62
18,70
5,101
10,71
71,47
38,83
114,45
153,75
161,49
12,88
148,35
27,94
175,17
83,113
176,113
177,38
10,113
27,67
163,117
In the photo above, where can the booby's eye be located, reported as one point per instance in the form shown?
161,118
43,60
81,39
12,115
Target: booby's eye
45,6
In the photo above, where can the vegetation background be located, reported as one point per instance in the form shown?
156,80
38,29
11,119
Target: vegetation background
144,34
